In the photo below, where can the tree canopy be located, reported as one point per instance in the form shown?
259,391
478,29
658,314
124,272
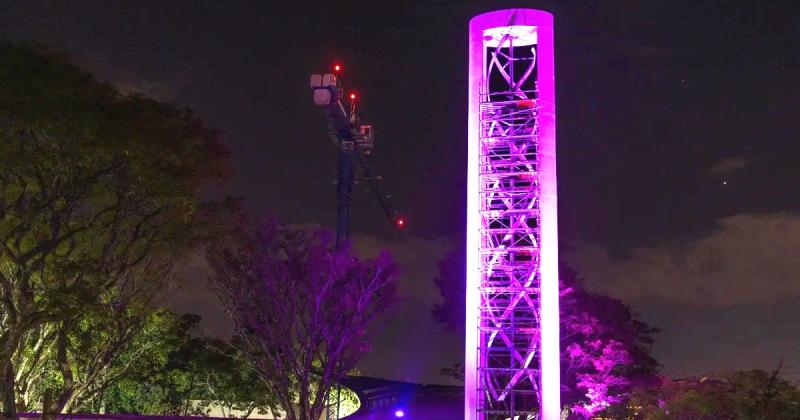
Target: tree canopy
739,395
190,377
304,309
99,198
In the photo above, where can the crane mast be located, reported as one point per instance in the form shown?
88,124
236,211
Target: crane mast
354,142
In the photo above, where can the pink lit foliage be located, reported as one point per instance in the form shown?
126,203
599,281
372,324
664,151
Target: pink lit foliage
600,361
605,350
304,309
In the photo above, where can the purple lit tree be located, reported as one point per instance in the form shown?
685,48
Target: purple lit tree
605,348
305,310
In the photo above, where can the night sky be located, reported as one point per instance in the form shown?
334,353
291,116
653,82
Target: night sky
678,143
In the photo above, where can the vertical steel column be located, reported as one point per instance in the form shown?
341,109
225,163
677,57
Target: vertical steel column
512,346
344,189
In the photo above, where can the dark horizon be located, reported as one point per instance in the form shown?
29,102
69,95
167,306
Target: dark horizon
676,148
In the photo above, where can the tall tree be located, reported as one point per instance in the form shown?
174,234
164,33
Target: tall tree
304,309
95,185
605,348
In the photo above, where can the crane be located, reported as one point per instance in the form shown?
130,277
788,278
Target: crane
355,142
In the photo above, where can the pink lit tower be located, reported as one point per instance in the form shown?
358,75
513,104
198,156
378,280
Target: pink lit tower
512,346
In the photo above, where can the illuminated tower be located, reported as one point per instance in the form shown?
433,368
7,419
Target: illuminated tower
512,346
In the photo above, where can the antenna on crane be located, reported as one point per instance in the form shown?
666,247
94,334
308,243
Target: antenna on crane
355,142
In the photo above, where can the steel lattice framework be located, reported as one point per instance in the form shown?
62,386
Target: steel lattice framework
507,382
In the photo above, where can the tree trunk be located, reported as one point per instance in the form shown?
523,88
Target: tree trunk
7,390
249,411
47,405
66,395
303,401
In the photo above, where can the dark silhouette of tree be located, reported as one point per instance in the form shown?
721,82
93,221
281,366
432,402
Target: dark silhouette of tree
741,395
450,279
605,348
305,310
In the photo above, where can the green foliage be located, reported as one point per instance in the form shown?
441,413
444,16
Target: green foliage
210,373
156,381
37,371
132,397
224,377
78,151
146,353
742,395
92,180
99,199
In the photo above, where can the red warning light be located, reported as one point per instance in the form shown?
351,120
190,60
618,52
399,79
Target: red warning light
352,96
337,67
400,223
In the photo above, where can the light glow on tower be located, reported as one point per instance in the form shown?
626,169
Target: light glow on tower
512,346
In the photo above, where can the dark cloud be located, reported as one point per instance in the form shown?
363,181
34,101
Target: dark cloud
745,259
696,340
195,297
155,90
724,300
728,166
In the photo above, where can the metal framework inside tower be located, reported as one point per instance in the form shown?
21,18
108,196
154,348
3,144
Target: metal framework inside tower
509,333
